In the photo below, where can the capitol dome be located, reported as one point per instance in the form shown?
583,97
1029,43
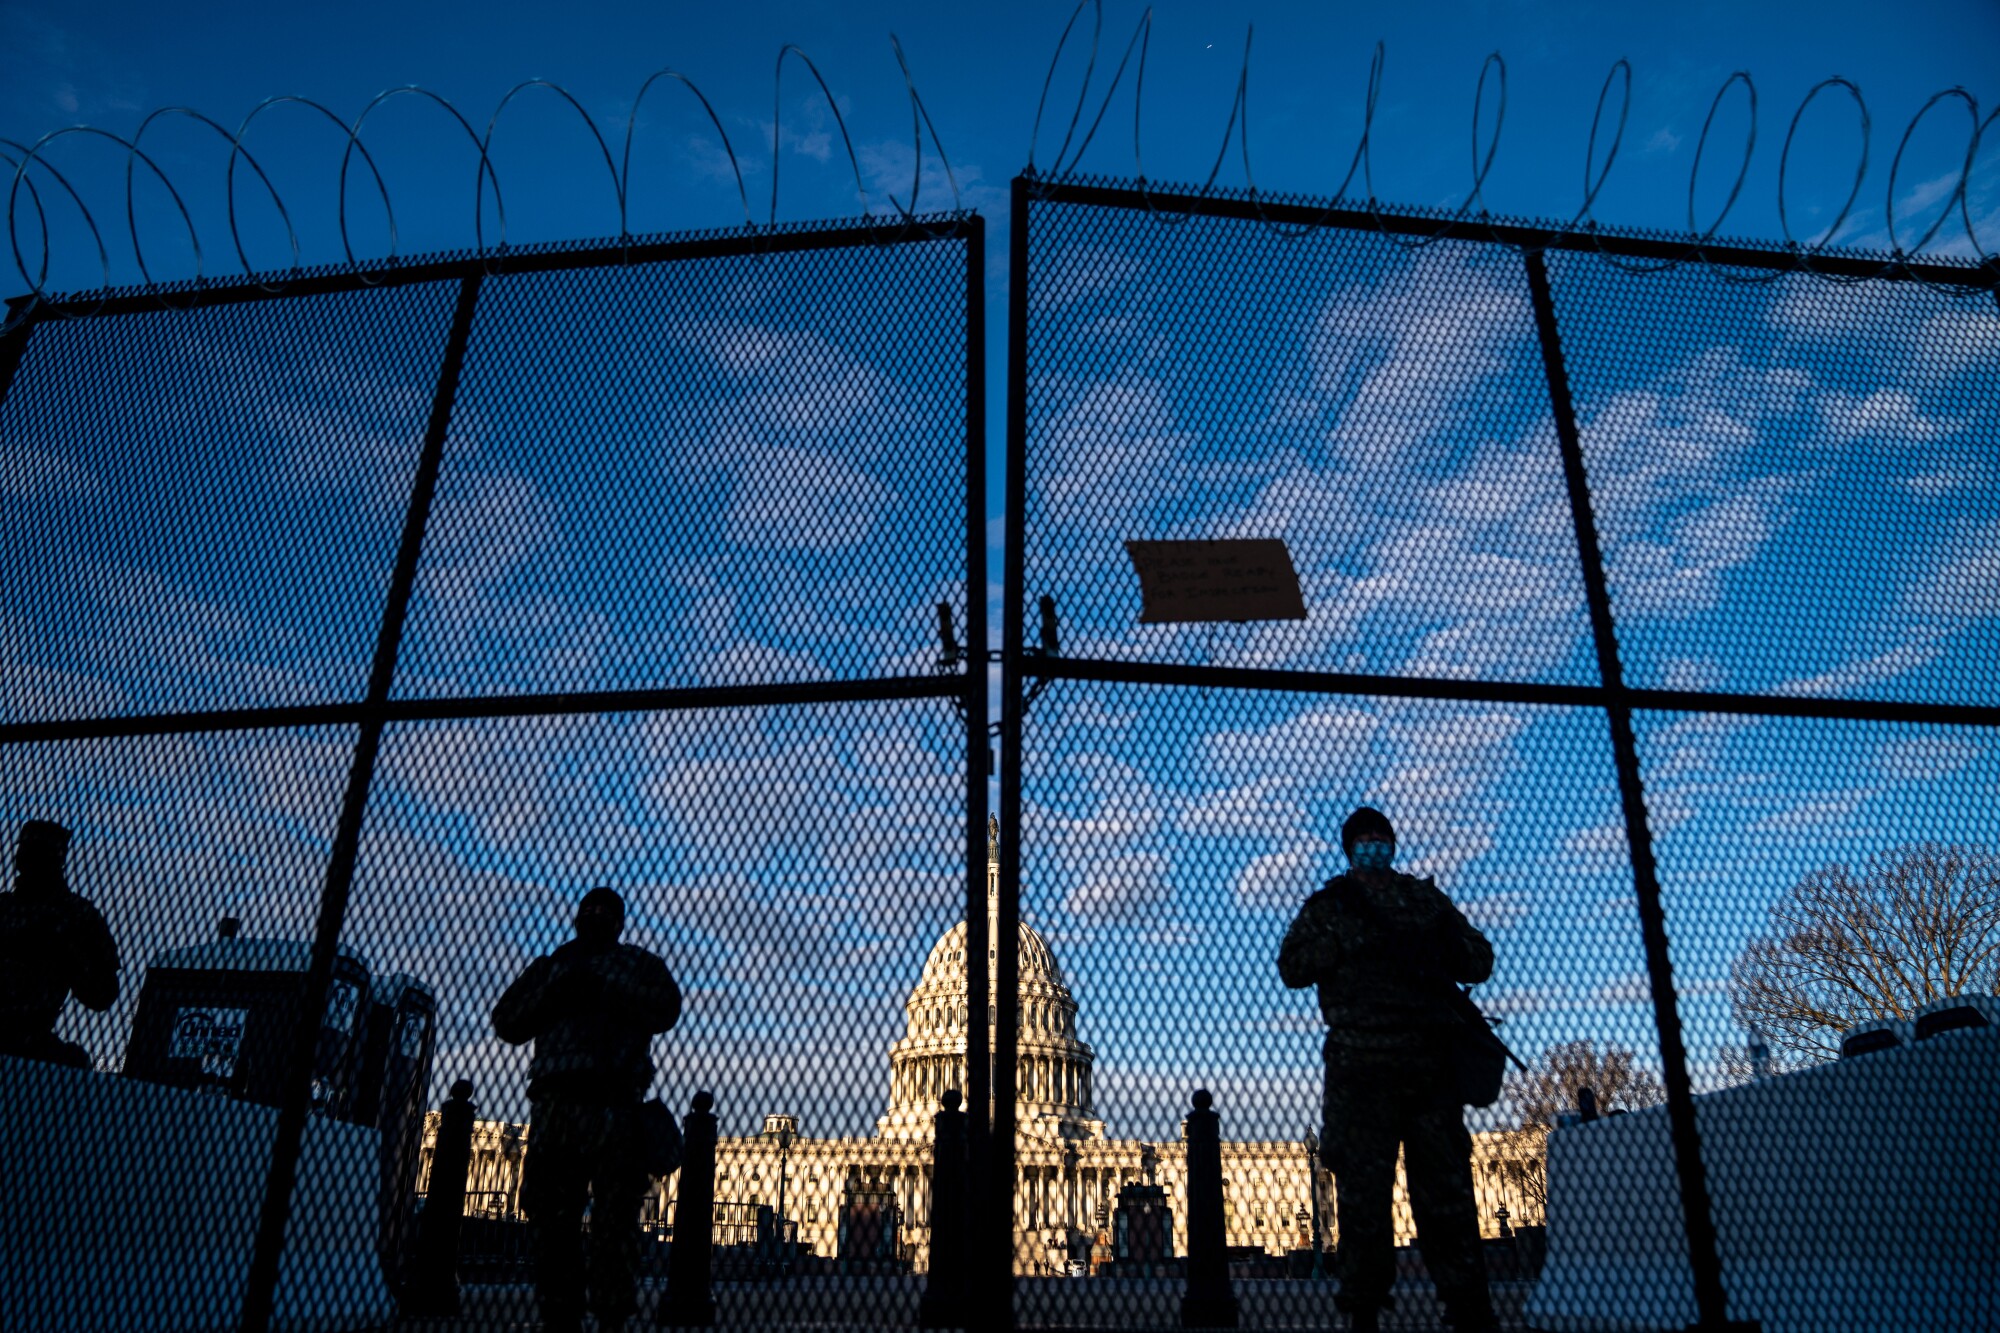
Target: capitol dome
1053,1069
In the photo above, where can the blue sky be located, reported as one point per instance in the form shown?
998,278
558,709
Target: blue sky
1744,460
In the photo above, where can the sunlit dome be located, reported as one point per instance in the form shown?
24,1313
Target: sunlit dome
1053,1078
946,963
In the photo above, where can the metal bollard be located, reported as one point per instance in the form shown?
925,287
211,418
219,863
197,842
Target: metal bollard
429,1284
1209,1302
688,1302
943,1304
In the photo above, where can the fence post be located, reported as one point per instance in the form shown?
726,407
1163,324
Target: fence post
943,1304
260,1288
688,1302
1698,1217
1209,1303
429,1285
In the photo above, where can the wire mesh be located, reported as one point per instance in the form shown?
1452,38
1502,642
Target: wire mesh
1173,832
1787,488
673,630
743,470
1204,380
1794,492
201,516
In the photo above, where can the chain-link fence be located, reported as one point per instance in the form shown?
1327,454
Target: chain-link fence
1655,604
354,630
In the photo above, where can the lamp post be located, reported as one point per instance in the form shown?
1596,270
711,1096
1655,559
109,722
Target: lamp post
1759,1051
784,1153
1312,1193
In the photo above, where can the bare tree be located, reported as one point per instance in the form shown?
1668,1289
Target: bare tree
1534,1099
1919,923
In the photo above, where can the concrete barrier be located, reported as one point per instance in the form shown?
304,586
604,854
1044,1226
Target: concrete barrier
133,1206
1859,1195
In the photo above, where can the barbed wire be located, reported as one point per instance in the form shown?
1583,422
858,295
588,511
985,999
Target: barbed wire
1471,212
23,195
1468,218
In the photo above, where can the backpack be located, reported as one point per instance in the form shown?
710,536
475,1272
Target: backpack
659,1139
1478,1056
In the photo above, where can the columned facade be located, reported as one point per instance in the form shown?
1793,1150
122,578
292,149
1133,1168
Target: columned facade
1052,1080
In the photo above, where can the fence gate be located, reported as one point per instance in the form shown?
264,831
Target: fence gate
1652,597
380,615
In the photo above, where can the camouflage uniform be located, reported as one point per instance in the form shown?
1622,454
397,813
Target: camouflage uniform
1383,947
591,1012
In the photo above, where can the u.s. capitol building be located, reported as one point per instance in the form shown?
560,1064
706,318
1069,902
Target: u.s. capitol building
1068,1170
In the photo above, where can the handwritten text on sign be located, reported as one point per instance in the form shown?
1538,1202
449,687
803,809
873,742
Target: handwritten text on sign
1182,583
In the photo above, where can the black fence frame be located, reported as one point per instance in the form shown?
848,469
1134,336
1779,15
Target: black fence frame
965,688
990,1093
1027,670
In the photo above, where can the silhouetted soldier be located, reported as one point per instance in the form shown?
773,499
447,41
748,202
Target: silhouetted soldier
1383,948
591,1008
53,944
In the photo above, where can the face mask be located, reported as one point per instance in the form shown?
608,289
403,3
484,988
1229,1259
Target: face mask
1373,855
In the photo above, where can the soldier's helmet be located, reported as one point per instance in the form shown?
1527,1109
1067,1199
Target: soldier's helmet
601,914
1366,823
40,850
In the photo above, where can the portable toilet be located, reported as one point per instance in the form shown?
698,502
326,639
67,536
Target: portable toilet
400,1041
398,1035
1874,1034
223,1015
1957,1013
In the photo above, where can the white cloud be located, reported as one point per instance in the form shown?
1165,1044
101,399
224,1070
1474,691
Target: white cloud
1600,841
1886,416
1864,673
886,168
1281,880
1966,584
34,691
1439,787
1821,810
29,473
1937,485
1264,808
1692,673
1631,988
1676,511
1925,758
1405,357
1087,272
1520,1001
1113,454
1876,324
804,500
1119,888
1335,733
1499,911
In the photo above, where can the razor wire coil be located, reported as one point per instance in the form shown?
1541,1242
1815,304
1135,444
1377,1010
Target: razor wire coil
24,196
1469,218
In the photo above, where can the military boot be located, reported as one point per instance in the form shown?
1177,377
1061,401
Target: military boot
1470,1318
